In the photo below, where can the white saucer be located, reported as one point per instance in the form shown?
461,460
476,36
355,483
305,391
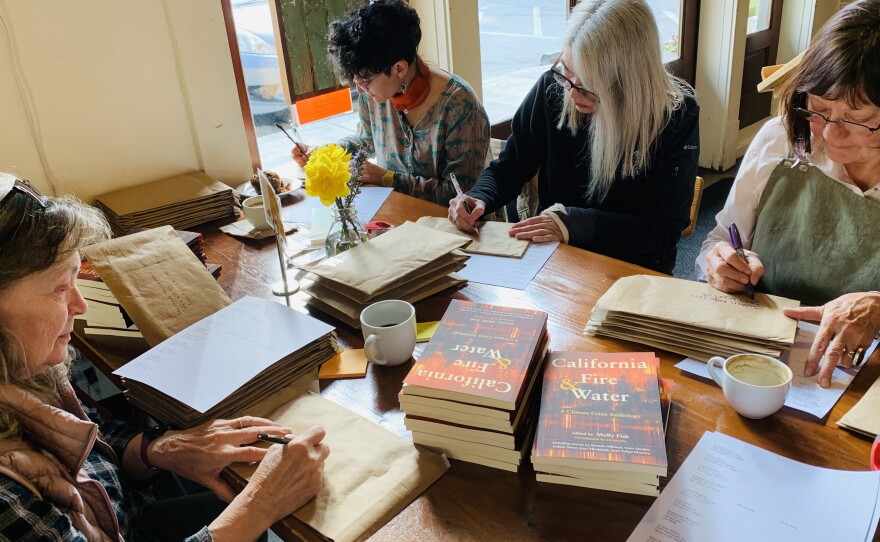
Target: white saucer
247,189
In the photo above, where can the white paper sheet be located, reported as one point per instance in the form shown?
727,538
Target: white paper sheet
367,204
514,273
209,360
806,394
727,490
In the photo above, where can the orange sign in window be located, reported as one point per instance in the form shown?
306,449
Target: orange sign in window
323,106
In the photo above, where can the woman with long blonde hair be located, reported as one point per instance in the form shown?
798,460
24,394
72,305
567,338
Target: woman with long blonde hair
613,138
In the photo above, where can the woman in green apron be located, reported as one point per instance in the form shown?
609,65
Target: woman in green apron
806,198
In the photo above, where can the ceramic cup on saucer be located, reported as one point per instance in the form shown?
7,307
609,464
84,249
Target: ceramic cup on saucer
389,329
754,384
255,213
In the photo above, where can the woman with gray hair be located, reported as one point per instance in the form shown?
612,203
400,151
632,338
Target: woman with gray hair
613,138
65,473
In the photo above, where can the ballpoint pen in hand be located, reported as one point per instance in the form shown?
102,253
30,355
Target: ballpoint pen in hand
272,438
736,242
458,191
298,144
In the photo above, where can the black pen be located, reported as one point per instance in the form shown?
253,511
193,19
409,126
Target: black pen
272,438
736,242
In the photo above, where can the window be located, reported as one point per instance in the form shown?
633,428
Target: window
520,40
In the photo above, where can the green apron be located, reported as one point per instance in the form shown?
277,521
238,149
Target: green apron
816,238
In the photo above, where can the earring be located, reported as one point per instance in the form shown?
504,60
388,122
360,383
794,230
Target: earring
403,88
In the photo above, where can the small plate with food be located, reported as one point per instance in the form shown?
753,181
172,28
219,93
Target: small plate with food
282,185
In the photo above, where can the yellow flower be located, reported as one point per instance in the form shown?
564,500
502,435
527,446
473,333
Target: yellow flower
327,173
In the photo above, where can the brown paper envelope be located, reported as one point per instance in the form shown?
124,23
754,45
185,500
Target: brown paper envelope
449,262
716,347
863,417
370,475
674,327
494,237
693,336
317,287
377,263
699,305
159,282
178,188
344,310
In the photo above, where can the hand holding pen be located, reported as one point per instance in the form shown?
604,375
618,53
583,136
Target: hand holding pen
736,243
464,202
303,155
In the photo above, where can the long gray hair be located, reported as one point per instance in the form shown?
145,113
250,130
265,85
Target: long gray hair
615,52
32,239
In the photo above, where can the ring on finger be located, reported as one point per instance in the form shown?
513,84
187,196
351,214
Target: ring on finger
856,355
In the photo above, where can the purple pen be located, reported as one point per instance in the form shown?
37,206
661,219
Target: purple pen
737,244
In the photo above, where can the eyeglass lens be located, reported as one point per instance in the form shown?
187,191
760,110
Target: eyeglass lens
853,128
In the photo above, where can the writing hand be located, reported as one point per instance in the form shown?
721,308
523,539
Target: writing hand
727,272
464,211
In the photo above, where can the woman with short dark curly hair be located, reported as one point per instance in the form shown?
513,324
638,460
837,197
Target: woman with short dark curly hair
422,123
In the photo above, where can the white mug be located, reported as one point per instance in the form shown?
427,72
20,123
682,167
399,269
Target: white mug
255,213
389,329
754,384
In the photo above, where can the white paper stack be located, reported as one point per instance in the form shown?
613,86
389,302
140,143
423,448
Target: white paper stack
410,262
692,318
181,201
227,362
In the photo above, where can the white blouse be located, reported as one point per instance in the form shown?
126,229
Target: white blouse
768,148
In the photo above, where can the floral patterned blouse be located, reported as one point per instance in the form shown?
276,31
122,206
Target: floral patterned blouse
452,137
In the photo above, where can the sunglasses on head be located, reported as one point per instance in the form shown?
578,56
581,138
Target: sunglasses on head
10,186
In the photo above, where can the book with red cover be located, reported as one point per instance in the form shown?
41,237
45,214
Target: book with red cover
480,354
601,411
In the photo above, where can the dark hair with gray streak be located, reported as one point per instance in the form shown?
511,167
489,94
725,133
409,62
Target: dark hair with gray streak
842,63
371,38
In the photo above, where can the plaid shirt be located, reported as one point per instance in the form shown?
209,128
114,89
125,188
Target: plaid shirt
25,517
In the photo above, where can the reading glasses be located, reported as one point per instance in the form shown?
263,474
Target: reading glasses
10,185
854,128
568,84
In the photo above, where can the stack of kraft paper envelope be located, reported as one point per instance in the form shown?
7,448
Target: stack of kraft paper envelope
410,262
182,201
692,318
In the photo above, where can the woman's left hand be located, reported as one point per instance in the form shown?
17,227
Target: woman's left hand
540,229
371,173
845,324
201,453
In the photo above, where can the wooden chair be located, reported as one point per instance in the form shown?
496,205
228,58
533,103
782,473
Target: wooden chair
695,207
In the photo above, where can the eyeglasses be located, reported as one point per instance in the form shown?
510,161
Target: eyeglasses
568,84
364,84
9,185
854,128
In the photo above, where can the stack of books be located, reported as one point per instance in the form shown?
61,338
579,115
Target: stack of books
226,363
472,392
410,262
181,201
692,318
600,424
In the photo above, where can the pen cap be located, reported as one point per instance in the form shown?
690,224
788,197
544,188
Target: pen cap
734,236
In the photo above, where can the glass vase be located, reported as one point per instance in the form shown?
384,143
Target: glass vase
346,230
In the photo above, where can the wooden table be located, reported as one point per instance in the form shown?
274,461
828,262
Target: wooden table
472,502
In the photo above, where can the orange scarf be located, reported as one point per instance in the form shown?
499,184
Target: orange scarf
418,90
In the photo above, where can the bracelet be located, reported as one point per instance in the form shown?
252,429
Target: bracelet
147,437
388,179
